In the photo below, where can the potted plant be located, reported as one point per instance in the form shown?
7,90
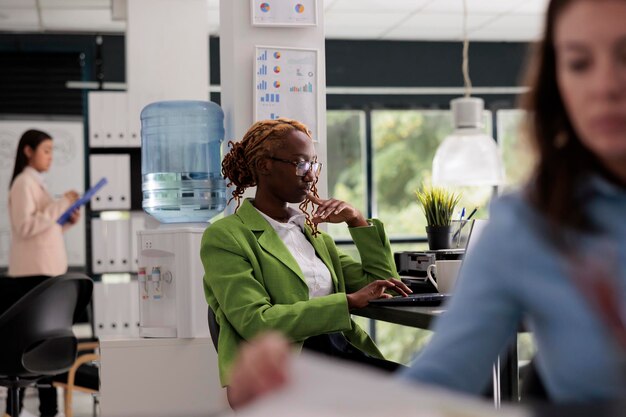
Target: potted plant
438,205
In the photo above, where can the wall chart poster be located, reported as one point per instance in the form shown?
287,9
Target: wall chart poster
286,85
66,173
284,12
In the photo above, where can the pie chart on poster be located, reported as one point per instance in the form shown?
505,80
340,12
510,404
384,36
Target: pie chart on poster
265,7
299,8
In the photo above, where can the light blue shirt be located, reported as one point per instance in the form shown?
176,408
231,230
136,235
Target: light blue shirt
514,274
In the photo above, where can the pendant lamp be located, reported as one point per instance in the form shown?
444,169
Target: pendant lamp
468,156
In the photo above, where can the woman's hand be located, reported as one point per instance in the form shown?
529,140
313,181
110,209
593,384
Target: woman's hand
261,366
71,195
375,290
336,211
74,216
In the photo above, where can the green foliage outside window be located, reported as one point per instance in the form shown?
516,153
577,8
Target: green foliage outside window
405,142
345,173
517,154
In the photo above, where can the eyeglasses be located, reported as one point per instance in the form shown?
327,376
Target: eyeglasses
302,167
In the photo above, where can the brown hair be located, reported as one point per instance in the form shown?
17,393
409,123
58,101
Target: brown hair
239,164
563,161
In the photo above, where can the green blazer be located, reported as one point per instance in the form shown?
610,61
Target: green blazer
253,283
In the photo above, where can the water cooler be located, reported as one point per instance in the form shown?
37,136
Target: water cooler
182,188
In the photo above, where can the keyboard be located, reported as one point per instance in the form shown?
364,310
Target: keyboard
430,299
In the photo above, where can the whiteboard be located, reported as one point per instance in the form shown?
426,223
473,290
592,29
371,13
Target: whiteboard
67,172
286,84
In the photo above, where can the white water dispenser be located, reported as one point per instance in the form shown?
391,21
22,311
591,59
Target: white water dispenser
182,188
171,299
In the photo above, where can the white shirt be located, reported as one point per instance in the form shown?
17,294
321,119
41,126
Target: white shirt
316,274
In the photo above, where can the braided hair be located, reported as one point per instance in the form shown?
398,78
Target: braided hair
239,164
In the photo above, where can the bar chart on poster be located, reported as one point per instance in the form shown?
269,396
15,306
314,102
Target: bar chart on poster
66,173
284,12
286,85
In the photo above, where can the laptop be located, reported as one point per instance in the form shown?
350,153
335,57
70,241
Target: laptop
432,299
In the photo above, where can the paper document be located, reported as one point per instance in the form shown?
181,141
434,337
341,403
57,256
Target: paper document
324,387
81,201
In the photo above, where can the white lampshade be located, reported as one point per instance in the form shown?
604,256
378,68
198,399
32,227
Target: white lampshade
468,156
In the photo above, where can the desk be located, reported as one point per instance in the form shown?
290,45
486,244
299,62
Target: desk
507,375
418,317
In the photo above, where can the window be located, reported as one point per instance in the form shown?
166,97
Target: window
400,150
518,163
516,152
346,159
404,144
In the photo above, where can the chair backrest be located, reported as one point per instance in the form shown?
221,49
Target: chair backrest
214,328
36,331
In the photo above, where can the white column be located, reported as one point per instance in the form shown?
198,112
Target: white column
237,60
167,53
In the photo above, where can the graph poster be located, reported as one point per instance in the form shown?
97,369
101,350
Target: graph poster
286,83
284,12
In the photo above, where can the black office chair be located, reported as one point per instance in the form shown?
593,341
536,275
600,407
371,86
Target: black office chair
214,327
36,332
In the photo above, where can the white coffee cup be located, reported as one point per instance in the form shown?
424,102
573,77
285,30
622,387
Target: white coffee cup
446,272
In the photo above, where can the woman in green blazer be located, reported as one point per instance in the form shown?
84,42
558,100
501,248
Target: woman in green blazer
267,267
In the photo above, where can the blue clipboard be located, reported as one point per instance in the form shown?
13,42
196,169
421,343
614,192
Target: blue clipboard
81,201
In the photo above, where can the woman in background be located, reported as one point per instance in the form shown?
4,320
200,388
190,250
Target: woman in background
538,259
268,268
37,246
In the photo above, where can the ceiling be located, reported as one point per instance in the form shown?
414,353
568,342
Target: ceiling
488,20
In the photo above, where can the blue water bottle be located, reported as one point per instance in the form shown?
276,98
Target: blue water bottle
181,161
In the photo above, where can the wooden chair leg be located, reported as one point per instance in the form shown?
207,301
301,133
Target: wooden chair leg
67,398
71,375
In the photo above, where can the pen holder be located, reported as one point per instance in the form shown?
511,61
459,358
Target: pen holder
460,233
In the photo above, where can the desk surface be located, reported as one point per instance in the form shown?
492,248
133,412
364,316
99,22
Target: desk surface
419,317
